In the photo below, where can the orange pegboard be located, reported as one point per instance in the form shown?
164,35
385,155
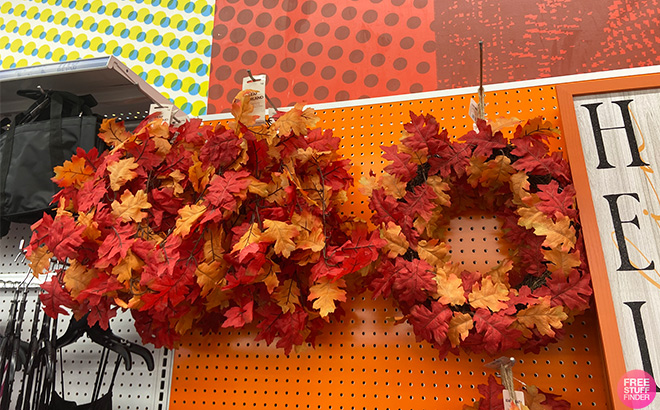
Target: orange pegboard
365,361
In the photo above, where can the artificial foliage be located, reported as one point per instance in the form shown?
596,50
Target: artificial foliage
200,227
429,179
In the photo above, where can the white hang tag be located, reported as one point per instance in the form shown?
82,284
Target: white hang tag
258,96
473,110
520,399
165,111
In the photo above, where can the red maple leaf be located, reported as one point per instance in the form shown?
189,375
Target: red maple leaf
145,153
100,313
430,324
221,150
238,316
223,187
336,176
269,313
552,400
386,208
492,393
356,253
423,135
55,298
573,291
291,328
495,327
419,202
64,237
91,194
115,245
258,158
557,199
322,140
531,144
553,165
402,164
99,287
194,133
453,158
484,142
413,281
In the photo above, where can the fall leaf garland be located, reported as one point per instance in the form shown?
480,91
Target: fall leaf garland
206,228
430,179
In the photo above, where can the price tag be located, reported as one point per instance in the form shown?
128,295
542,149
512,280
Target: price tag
257,96
165,111
473,110
520,399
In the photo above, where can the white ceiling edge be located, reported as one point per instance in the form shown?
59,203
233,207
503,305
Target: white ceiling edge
541,82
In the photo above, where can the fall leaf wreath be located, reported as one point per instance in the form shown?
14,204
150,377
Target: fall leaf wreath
200,227
430,179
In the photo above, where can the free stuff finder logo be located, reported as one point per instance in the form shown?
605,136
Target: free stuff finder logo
636,389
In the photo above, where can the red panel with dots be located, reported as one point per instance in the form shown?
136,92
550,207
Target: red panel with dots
322,50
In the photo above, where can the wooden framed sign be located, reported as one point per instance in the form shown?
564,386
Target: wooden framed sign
612,130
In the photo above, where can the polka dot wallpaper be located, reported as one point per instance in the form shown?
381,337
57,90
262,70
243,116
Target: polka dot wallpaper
166,42
323,50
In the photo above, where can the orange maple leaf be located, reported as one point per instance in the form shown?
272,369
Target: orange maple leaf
561,261
199,174
296,120
242,109
441,189
543,317
209,275
519,185
450,289
434,252
489,295
397,244
121,172
324,294
77,277
74,172
86,219
534,398
113,133
127,266
498,172
282,234
252,235
213,243
188,215
459,328
499,274
310,228
287,295
131,206
40,260
559,235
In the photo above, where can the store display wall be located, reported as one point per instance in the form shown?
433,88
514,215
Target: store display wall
320,50
168,43
365,361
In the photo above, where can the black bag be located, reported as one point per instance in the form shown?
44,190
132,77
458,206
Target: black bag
39,139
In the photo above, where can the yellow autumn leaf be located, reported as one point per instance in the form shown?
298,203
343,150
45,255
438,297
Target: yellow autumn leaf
73,173
441,190
397,244
77,277
501,123
519,185
434,252
186,322
489,295
188,215
129,207
476,169
252,235
324,294
459,328
121,172
561,261
543,317
258,187
214,238
40,260
537,126
270,270
218,297
209,275
127,266
156,128
450,289
287,295
534,398
113,133
499,274
86,219
310,229
282,234
559,235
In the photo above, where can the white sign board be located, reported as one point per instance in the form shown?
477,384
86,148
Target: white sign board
616,160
